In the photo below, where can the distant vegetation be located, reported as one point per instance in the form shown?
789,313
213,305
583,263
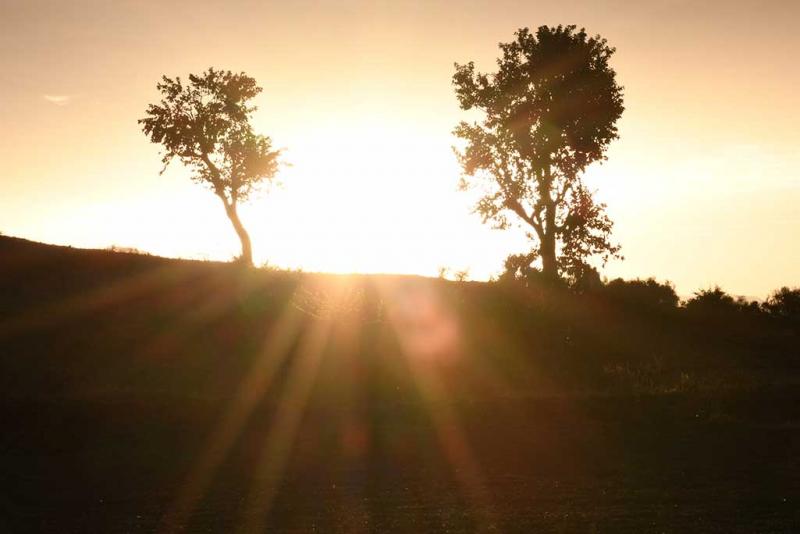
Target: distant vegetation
126,250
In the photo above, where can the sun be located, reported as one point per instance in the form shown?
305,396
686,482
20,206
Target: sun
364,195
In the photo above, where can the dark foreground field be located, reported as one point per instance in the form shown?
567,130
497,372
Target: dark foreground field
142,395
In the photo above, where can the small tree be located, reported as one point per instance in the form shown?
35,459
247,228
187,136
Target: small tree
548,112
710,302
205,123
642,294
784,303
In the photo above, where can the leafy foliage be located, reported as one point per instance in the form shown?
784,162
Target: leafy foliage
549,111
206,125
784,303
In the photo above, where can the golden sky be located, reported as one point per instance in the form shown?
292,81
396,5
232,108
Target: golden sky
703,185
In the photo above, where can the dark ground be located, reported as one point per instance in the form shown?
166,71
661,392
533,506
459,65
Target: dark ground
118,371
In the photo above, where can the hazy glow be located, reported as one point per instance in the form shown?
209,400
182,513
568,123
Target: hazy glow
703,185
58,100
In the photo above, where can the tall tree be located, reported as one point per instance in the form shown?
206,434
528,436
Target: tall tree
205,123
548,112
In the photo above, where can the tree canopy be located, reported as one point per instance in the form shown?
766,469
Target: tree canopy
549,111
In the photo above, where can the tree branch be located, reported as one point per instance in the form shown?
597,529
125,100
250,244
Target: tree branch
517,208
216,178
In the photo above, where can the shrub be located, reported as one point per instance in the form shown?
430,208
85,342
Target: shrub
642,293
711,302
784,303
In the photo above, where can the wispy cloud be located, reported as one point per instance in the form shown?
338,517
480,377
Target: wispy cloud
58,100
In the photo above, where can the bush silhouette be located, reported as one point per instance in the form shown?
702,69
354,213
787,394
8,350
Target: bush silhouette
784,303
644,294
712,301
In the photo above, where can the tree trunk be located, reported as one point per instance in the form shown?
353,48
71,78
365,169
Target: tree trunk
548,252
548,242
244,237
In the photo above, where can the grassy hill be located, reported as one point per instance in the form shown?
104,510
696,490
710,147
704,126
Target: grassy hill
140,394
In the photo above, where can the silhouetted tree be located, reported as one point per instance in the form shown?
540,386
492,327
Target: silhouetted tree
205,123
642,294
711,302
549,111
784,303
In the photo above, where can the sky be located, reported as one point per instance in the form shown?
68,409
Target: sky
703,184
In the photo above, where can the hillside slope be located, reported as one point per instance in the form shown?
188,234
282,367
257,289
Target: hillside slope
139,393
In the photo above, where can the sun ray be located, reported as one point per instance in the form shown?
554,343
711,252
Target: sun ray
212,304
454,444
283,428
276,348
429,336
93,300
291,407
